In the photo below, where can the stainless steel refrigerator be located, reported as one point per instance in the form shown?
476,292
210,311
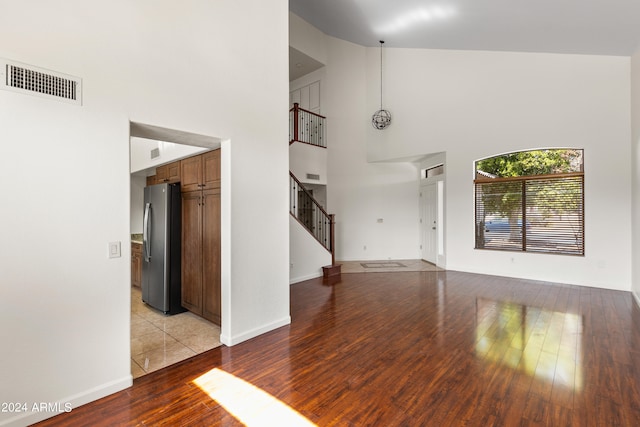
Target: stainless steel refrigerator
161,241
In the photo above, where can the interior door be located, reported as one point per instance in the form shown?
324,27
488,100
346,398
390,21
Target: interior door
429,201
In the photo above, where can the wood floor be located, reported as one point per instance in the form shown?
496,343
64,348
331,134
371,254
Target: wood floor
409,349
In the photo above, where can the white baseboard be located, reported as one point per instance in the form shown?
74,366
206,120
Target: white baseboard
237,339
636,298
75,401
306,277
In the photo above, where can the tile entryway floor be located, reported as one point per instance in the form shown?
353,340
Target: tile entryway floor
385,266
158,340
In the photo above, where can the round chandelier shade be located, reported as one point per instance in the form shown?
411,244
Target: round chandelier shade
381,119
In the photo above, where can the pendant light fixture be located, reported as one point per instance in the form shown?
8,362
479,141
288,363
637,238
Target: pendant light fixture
381,118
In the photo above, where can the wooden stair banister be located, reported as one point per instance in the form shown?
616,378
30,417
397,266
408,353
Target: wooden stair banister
306,209
307,127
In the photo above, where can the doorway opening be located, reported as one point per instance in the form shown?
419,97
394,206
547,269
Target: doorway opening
432,219
158,340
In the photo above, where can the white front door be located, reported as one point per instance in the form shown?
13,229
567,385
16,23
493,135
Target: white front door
429,204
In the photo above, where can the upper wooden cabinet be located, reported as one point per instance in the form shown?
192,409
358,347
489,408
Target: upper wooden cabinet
200,172
191,173
211,170
168,173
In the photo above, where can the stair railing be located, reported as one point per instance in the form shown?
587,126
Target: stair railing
307,127
311,215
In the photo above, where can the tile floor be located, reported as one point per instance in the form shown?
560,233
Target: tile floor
158,340
378,266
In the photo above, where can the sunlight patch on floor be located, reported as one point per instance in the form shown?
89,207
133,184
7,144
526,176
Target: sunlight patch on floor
544,344
247,403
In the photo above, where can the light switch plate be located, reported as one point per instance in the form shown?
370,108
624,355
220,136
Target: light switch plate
114,249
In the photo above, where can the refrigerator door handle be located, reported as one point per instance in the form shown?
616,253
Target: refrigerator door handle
146,233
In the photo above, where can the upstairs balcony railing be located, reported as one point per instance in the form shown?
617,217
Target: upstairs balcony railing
310,214
307,127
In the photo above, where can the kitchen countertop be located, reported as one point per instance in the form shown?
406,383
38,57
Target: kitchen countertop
136,238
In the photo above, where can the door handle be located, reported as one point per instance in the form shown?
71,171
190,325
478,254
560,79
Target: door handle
146,232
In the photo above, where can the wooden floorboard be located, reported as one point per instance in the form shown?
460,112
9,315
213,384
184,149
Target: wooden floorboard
413,349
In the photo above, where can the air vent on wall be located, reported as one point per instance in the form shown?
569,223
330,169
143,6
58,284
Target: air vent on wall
313,176
23,78
155,153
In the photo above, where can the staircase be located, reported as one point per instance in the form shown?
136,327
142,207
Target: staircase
310,214
309,128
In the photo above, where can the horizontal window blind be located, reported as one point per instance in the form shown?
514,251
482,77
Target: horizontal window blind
533,214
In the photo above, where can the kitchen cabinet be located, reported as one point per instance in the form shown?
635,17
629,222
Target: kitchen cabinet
211,169
201,291
200,172
136,264
199,178
169,173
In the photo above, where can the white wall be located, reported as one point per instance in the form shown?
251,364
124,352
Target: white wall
66,301
306,83
169,152
473,104
360,193
635,158
307,39
308,159
307,256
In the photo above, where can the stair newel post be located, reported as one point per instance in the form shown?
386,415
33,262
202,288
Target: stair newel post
332,271
332,237
296,108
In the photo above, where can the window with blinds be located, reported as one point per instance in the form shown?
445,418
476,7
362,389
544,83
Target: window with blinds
537,213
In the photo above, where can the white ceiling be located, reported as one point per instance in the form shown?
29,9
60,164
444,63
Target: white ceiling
301,64
598,27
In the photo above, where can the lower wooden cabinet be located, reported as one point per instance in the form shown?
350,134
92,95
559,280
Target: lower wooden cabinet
136,264
201,253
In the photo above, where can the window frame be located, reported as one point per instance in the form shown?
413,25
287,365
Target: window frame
480,226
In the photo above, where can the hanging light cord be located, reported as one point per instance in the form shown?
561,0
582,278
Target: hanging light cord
381,43
381,119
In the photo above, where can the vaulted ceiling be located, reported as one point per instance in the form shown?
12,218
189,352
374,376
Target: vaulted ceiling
598,27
